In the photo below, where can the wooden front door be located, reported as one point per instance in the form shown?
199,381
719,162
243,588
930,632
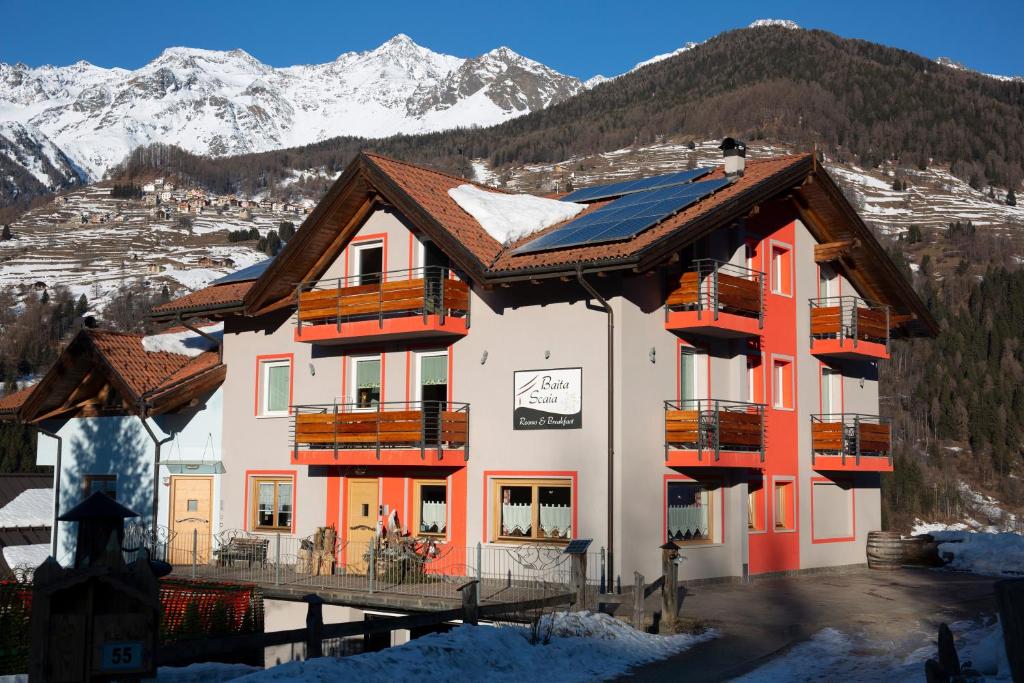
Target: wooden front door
362,521
191,511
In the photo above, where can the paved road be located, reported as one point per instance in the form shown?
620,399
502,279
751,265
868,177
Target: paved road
760,620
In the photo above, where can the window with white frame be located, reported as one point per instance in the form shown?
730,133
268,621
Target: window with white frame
369,262
366,378
430,506
690,515
275,387
782,270
782,384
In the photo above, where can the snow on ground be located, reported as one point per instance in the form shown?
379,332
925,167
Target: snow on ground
29,556
832,655
507,217
583,646
184,343
208,672
31,507
993,554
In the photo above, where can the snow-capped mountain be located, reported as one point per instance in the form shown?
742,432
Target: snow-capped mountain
219,103
29,161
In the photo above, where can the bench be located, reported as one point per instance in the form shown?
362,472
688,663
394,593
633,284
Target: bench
247,549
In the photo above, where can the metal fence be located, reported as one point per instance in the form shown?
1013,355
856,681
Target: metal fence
414,567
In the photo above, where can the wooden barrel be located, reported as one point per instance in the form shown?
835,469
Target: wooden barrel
885,550
921,550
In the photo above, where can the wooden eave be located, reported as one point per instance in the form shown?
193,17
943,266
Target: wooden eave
169,398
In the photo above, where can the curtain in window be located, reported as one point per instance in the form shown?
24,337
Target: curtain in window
687,377
265,504
556,520
284,505
433,516
277,387
433,370
368,374
516,517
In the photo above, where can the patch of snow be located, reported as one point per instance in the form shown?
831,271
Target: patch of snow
784,23
660,58
28,556
31,507
832,655
206,672
583,646
185,343
507,217
992,554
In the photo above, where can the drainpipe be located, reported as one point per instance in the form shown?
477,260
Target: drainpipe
156,466
56,486
611,413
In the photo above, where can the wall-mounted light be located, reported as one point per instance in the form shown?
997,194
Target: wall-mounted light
483,357
547,354
861,382
312,369
653,354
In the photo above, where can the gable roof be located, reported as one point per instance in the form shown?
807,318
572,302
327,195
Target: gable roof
11,404
421,196
104,370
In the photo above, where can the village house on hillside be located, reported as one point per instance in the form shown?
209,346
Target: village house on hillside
688,359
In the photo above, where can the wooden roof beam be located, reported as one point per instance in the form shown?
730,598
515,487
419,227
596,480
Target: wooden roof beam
828,252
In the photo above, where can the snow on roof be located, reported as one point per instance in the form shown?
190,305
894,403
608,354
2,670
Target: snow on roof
30,556
31,507
183,343
507,217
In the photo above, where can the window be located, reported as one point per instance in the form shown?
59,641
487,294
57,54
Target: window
782,384
782,270
831,511
687,374
827,281
690,513
367,382
104,483
756,512
754,380
272,504
533,509
275,388
369,263
830,382
430,501
785,506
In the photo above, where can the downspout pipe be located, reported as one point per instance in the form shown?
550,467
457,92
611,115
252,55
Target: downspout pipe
611,413
157,443
56,486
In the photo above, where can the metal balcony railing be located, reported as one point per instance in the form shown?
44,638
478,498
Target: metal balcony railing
430,290
714,425
715,287
853,435
341,427
850,317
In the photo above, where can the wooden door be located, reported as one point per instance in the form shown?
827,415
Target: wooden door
362,522
191,511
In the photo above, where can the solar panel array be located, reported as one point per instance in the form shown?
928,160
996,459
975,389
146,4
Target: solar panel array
625,217
590,194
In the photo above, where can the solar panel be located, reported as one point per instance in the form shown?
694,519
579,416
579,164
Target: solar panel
624,217
248,273
590,194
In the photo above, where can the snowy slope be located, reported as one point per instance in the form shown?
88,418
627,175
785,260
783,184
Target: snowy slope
29,161
219,103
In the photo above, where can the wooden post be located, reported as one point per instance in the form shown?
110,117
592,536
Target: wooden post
578,581
670,587
638,601
470,607
314,625
1010,601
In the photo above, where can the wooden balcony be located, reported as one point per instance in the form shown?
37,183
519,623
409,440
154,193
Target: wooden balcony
713,433
849,327
405,304
717,299
851,442
400,432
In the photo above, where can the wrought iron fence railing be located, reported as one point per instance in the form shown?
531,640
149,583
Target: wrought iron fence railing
714,287
713,425
850,317
851,435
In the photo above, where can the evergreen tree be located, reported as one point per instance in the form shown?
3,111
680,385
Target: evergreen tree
1011,198
286,230
82,307
5,234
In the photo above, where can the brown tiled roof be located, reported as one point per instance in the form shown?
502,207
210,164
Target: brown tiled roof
144,371
11,403
214,296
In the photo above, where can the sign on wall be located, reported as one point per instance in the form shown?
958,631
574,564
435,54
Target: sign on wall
548,399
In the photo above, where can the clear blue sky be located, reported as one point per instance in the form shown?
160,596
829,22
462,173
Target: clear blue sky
578,38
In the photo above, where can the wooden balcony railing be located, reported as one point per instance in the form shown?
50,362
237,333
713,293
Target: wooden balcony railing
850,317
851,435
423,425
712,426
378,296
712,287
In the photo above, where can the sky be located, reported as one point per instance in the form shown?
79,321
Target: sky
576,38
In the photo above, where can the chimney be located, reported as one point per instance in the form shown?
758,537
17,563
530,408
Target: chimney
735,154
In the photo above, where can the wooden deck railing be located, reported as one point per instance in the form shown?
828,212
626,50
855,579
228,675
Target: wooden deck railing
715,286
376,296
399,424
851,435
850,317
713,426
